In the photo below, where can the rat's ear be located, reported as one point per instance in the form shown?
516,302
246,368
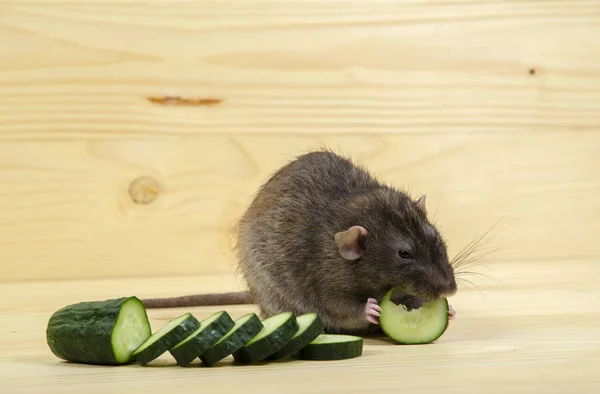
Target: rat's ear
351,243
421,204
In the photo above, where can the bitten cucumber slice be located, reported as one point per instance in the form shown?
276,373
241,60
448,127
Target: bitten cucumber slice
332,347
98,332
277,331
245,328
166,338
310,327
417,326
210,331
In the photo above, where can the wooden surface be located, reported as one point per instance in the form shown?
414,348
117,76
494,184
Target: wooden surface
490,108
536,332
67,212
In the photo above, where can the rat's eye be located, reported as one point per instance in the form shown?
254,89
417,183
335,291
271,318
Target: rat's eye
405,255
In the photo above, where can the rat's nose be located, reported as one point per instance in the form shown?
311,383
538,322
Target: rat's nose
450,288
445,286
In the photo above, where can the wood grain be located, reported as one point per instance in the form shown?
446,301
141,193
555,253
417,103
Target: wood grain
133,134
536,330
490,108
68,213
74,69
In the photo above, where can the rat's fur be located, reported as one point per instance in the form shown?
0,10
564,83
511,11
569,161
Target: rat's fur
288,255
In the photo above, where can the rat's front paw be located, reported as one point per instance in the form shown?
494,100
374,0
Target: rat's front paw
451,312
372,310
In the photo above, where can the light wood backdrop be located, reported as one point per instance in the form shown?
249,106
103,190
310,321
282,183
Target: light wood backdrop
490,108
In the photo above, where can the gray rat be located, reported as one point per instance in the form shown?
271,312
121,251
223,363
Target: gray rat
323,235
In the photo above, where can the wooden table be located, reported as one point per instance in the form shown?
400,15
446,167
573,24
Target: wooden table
536,330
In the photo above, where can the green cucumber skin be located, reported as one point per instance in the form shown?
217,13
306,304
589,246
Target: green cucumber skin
336,351
184,354
296,344
268,345
82,332
235,341
196,346
167,341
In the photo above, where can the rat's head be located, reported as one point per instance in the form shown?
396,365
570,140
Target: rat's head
396,245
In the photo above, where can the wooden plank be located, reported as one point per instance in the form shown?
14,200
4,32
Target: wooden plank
67,212
523,336
276,67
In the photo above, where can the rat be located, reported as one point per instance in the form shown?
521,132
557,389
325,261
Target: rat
324,235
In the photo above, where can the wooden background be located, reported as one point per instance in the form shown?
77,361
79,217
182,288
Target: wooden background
491,108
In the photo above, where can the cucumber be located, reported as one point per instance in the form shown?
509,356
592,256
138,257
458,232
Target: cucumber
210,331
166,338
277,331
245,328
310,327
98,332
417,326
332,347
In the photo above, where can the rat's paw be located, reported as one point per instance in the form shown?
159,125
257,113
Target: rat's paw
372,310
451,312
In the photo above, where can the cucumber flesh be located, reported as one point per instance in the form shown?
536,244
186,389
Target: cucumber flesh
310,327
245,328
98,332
131,329
417,326
211,330
166,338
332,347
277,331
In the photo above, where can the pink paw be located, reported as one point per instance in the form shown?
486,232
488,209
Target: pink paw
372,310
451,312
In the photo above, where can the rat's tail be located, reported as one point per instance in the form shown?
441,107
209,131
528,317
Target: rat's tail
238,298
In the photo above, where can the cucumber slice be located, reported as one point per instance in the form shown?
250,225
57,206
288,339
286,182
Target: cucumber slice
210,331
332,347
277,331
98,332
245,328
310,327
417,326
166,338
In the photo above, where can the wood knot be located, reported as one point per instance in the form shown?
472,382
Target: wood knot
143,190
182,101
